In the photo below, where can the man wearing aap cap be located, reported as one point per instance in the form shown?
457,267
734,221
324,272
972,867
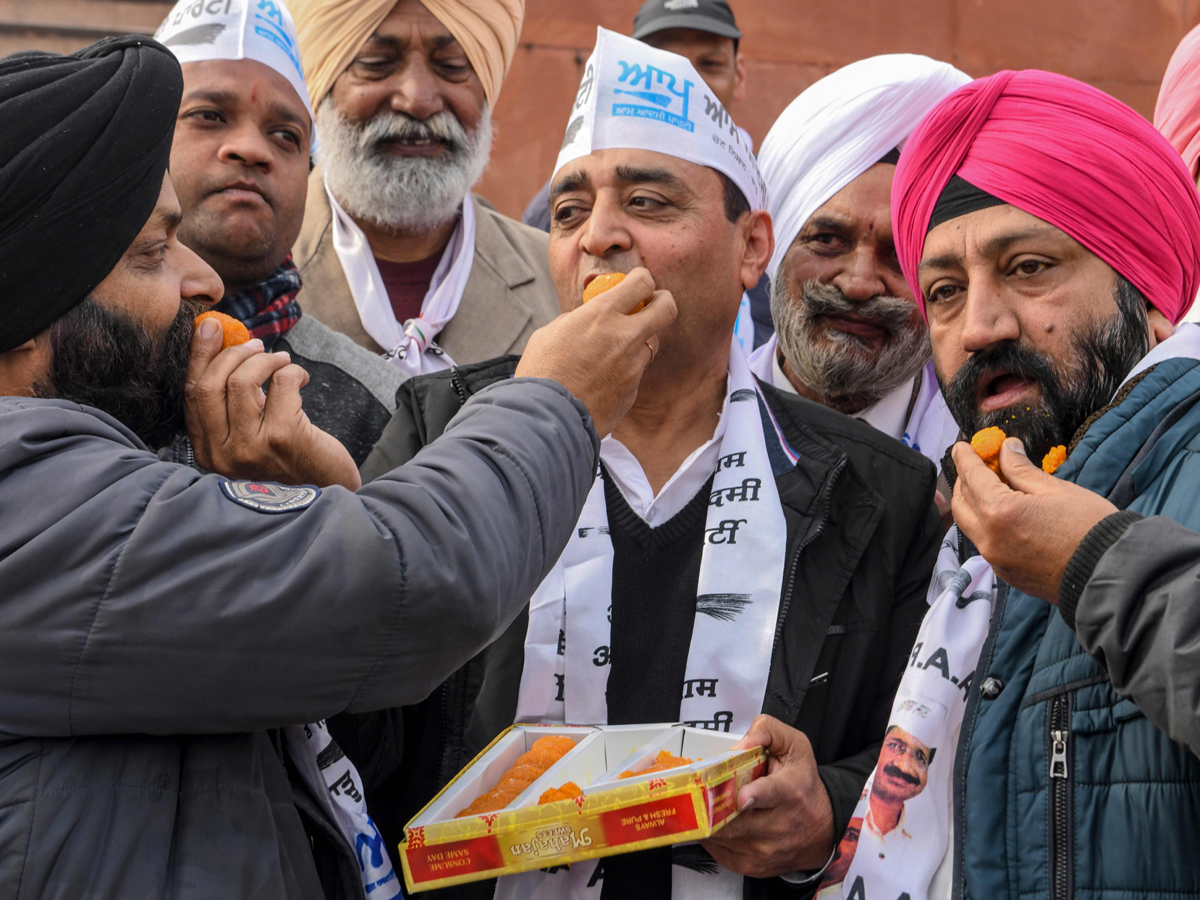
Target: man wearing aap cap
1052,237
240,162
686,595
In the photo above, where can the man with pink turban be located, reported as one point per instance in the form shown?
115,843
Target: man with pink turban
395,252
1052,237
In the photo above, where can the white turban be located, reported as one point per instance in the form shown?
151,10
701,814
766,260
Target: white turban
200,30
635,96
839,128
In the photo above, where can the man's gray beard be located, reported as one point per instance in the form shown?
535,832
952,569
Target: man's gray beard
840,368
410,194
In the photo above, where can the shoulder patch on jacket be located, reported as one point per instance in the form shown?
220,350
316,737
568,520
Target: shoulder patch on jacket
269,497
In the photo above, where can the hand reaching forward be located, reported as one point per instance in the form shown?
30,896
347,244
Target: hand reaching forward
239,430
1029,528
599,351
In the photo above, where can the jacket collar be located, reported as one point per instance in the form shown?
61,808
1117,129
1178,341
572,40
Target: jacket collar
490,315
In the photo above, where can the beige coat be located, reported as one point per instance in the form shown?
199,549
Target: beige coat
508,295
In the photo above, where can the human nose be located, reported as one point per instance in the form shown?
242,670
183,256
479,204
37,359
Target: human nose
987,320
863,276
416,91
248,146
604,232
200,281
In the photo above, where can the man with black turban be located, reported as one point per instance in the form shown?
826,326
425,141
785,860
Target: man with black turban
162,630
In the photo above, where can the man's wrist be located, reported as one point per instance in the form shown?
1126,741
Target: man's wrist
1087,555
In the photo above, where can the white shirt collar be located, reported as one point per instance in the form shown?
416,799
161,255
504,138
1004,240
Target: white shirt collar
1184,342
680,488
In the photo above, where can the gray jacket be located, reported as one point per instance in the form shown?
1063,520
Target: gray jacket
158,636
1134,589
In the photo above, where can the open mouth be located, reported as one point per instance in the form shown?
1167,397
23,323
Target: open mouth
414,146
999,390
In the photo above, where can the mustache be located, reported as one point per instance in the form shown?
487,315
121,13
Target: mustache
894,772
394,125
893,314
1012,357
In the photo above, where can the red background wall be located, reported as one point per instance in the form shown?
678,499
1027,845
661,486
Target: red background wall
1121,46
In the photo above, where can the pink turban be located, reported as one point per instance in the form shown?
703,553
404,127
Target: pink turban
1074,157
1177,113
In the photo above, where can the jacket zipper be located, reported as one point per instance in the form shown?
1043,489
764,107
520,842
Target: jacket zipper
970,717
1060,797
813,534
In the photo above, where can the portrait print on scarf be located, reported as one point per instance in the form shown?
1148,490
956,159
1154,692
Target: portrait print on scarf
903,819
567,646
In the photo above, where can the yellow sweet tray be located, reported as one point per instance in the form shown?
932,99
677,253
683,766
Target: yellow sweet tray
613,815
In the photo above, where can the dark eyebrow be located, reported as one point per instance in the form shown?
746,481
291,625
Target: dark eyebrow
826,221
569,183
993,247
634,175
212,95
230,98
161,220
282,112
441,42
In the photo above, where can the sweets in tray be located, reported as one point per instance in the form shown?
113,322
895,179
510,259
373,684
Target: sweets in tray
542,796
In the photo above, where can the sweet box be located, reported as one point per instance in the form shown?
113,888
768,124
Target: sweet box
613,815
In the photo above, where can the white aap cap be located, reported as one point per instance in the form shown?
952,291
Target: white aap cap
634,96
262,30
922,718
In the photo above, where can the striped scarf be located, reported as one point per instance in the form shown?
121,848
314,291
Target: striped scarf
268,309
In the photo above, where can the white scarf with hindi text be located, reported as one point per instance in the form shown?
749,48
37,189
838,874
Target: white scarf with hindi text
568,646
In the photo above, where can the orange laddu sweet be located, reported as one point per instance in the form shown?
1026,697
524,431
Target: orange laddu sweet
662,762
987,444
233,332
565,792
1055,458
602,283
528,768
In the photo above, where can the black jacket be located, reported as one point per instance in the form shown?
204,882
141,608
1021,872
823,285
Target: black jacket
863,535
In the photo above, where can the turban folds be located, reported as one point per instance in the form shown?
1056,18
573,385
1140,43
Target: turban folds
84,142
1071,155
841,126
333,31
1177,113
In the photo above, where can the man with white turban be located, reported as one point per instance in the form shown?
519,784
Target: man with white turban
848,333
394,250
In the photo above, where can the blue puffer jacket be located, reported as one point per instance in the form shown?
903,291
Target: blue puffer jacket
1063,788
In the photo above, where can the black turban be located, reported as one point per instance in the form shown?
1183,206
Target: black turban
84,142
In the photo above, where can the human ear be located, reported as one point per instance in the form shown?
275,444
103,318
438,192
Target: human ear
24,366
1160,327
757,246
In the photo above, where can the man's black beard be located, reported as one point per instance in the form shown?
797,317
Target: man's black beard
108,360
1104,355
